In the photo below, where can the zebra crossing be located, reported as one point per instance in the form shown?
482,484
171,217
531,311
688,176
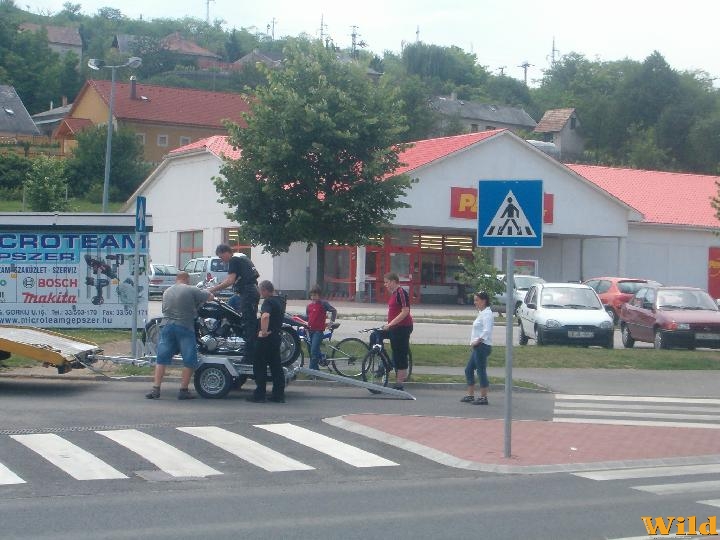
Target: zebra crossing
638,411
82,464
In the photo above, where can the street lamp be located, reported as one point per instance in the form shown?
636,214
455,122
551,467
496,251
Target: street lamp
96,64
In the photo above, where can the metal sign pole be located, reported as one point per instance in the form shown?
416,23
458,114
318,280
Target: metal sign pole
139,233
509,318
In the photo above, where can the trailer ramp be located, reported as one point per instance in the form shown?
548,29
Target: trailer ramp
50,348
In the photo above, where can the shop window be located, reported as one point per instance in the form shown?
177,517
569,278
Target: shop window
238,243
190,246
403,237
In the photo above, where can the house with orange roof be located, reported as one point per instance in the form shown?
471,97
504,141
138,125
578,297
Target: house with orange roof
596,220
163,118
564,128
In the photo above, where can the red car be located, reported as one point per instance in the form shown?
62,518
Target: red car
615,291
671,317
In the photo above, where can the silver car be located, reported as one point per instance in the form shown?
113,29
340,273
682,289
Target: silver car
160,277
522,285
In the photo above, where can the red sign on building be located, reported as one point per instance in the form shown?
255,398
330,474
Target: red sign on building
463,204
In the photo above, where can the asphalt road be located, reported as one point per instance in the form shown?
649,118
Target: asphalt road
415,498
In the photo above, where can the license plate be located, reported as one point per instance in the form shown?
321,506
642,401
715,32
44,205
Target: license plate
707,336
577,334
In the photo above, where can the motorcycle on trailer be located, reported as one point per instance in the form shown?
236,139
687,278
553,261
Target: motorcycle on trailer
221,348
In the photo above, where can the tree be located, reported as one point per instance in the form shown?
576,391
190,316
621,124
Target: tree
13,173
318,155
479,274
46,185
86,167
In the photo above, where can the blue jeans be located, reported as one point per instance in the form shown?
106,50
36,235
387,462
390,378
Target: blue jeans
315,337
478,362
175,338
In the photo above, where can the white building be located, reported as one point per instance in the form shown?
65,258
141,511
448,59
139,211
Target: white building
597,221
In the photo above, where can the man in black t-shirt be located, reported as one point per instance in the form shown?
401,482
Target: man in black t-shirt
268,347
242,276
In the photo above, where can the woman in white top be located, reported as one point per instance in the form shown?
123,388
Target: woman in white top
481,343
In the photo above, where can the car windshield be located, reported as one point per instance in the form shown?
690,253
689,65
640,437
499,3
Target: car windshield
669,299
525,282
630,287
569,298
218,265
165,269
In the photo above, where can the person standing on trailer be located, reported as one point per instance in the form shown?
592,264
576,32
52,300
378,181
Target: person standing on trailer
242,277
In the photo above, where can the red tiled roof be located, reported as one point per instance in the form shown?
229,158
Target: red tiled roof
217,144
554,120
168,105
65,35
429,150
178,44
663,197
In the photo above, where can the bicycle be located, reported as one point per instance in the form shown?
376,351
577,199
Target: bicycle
377,364
344,358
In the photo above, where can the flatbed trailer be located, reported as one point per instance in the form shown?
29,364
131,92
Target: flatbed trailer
214,376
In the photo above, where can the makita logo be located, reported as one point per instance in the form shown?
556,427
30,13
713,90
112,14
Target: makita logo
50,298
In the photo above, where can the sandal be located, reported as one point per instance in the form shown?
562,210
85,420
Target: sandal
154,393
468,399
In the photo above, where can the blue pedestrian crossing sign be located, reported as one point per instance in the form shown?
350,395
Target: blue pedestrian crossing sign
510,213
140,215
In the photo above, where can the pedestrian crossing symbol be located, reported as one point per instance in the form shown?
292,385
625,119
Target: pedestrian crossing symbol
510,213
509,220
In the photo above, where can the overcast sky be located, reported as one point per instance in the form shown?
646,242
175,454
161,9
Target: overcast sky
500,32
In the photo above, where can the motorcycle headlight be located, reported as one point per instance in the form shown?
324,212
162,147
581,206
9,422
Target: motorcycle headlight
606,325
552,323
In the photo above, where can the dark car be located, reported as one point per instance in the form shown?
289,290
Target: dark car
160,277
671,317
615,291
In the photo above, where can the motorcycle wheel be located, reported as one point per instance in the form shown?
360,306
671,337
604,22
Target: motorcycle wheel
212,381
289,345
151,336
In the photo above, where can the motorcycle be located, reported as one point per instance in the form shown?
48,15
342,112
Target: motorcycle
221,347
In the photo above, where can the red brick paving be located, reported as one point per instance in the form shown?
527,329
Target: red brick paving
544,443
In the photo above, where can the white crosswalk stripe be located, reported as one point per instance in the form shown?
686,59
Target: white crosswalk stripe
333,448
637,411
68,457
8,477
166,457
246,449
83,465
650,472
680,487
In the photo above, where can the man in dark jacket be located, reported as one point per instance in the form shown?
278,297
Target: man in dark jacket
242,277
268,347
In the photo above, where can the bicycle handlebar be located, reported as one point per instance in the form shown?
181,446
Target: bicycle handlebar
379,328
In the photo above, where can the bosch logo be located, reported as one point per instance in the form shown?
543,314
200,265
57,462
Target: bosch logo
28,282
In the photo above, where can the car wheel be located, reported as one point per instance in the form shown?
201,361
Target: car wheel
540,339
523,339
660,341
627,340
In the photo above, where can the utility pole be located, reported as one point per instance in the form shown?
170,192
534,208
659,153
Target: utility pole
502,70
354,36
323,26
552,53
207,10
271,28
525,65
417,34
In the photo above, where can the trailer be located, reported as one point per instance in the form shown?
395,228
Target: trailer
214,377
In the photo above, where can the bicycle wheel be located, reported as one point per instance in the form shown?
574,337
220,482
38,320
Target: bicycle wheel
346,358
375,369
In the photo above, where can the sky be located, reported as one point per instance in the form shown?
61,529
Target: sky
502,33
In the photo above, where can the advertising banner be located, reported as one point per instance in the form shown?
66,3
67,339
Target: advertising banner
72,279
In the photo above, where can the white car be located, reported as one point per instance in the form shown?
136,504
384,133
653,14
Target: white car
522,285
568,313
